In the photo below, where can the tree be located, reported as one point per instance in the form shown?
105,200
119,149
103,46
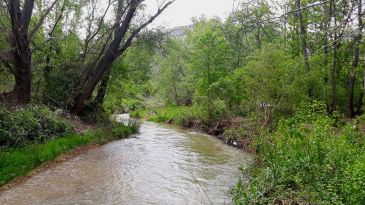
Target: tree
173,80
209,63
20,53
272,82
113,51
355,61
303,40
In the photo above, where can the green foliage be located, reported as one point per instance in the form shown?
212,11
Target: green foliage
235,134
209,64
274,78
32,124
173,80
20,161
128,85
123,130
310,159
139,113
167,114
60,86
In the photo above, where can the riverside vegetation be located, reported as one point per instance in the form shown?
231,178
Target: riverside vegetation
34,135
283,80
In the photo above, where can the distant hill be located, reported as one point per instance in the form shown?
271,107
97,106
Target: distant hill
180,31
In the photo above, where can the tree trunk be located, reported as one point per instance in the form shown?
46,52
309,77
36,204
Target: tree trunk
334,76
92,81
22,55
100,97
304,46
359,105
23,77
355,62
335,69
326,53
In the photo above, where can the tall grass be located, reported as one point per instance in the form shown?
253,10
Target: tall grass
309,158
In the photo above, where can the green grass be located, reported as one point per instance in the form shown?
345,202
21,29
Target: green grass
308,159
169,113
20,161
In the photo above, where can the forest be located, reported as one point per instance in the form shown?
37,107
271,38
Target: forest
281,80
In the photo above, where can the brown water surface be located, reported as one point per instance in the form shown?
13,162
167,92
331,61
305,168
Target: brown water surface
160,165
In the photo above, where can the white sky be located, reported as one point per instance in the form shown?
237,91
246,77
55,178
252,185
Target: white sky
181,12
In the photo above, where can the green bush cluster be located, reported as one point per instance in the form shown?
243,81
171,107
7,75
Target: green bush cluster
169,113
308,159
30,124
180,115
123,130
235,134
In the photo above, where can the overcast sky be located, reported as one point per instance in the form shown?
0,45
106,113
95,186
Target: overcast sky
181,12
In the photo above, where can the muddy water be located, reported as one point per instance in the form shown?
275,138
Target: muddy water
161,165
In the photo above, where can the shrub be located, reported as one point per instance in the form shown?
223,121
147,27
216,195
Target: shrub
310,159
30,124
123,130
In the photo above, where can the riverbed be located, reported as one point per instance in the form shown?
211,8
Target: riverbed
160,165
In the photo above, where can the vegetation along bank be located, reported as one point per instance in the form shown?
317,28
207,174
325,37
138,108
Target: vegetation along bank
34,135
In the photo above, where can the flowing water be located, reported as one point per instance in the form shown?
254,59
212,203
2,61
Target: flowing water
160,165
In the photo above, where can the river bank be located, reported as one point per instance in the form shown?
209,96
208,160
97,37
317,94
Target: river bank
234,131
21,162
47,138
47,165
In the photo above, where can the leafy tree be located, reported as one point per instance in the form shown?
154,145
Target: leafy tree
209,63
273,82
173,77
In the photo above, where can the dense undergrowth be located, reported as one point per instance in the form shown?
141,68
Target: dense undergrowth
181,115
171,113
34,135
21,126
309,158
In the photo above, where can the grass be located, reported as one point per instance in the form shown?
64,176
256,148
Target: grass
169,113
309,159
20,161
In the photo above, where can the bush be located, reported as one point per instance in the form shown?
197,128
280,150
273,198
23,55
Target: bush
123,130
310,159
30,124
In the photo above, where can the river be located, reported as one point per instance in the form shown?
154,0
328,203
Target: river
160,165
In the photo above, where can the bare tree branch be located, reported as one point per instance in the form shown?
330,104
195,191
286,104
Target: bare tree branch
41,20
136,32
